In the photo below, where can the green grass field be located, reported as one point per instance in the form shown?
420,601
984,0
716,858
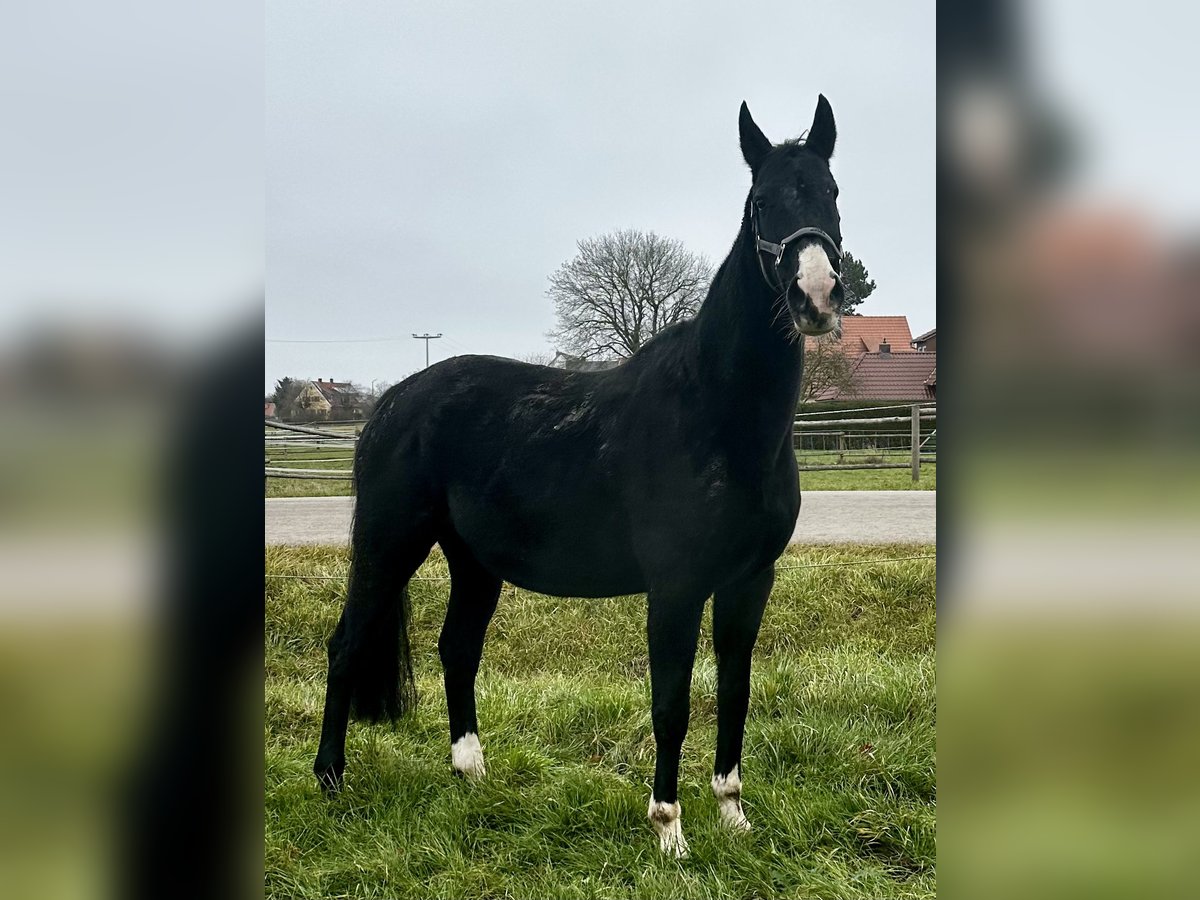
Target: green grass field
851,480
839,764
870,480
303,458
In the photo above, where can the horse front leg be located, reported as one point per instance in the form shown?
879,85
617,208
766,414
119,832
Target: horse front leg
737,614
673,628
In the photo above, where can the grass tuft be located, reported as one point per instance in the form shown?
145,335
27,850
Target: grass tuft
839,763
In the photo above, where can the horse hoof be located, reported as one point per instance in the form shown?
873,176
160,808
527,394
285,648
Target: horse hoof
330,778
665,819
734,819
467,756
728,791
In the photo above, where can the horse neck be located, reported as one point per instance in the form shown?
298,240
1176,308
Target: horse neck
747,352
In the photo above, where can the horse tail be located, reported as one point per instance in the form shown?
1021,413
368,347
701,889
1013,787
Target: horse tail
384,688
386,550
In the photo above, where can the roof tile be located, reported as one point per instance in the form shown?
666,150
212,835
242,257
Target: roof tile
891,376
862,334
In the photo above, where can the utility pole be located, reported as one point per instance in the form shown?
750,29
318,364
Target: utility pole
426,338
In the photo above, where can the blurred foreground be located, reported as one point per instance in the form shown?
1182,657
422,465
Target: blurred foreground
130,341
131,611
1069,634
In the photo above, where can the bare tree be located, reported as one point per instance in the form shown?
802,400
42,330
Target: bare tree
826,368
621,289
537,358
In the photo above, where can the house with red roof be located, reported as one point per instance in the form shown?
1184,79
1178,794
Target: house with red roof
884,375
889,364
864,334
337,398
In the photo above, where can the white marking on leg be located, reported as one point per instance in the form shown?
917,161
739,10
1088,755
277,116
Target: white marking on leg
815,277
728,791
468,755
665,819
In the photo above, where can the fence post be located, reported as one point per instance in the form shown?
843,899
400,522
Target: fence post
916,442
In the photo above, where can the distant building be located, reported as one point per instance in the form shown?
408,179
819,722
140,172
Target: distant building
864,334
312,399
889,364
883,375
579,364
269,409
336,399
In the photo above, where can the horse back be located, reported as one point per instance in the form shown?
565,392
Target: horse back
577,482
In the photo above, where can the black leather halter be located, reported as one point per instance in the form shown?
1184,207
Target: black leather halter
779,249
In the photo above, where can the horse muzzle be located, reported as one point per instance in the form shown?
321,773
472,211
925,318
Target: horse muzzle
818,310
816,325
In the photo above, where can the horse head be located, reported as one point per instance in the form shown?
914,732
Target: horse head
793,214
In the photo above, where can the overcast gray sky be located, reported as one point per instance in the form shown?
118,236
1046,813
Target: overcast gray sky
428,165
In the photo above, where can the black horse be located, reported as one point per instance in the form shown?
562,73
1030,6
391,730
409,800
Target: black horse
672,474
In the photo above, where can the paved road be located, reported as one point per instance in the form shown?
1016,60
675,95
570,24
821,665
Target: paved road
826,517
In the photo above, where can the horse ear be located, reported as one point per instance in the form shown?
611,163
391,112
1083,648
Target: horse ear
823,133
755,145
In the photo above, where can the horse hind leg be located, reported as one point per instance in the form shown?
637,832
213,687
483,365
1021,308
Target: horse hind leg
473,595
370,668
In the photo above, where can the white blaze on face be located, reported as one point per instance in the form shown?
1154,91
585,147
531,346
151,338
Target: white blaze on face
467,755
816,277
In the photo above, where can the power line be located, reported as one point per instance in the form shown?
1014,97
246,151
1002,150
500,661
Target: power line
453,344
427,338
457,345
334,340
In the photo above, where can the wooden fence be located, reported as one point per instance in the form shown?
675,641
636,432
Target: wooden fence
845,430
849,427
